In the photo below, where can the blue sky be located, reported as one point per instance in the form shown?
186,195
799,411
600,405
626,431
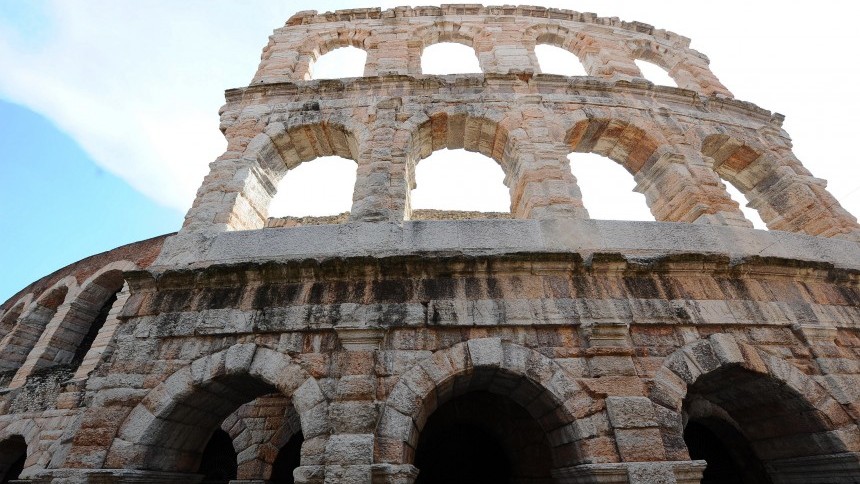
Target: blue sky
58,206
108,109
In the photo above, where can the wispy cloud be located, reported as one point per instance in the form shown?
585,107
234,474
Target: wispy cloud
138,85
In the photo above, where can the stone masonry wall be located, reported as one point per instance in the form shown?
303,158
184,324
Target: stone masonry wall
335,350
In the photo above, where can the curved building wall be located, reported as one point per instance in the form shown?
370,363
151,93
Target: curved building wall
543,347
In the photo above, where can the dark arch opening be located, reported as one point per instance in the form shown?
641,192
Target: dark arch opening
482,438
218,463
761,425
90,337
729,457
13,455
289,457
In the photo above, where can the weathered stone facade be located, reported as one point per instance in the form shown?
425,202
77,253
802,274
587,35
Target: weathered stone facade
539,347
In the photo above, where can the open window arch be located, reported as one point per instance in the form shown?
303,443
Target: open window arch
556,50
458,130
656,62
620,141
347,61
18,342
335,54
321,188
282,148
742,165
445,48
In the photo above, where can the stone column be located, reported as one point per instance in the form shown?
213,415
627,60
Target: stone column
537,172
353,413
387,54
605,58
684,188
381,184
693,73
509,52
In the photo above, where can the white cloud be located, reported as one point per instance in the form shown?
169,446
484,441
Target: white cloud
139,84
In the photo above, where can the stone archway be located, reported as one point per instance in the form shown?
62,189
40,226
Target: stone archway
747,398
537,392
168,430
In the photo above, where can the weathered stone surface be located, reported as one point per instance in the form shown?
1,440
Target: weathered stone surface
345,345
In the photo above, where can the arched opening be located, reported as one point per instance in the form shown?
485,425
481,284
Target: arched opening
289,457
750,213
177,440
13,455
555,60
655,73
482,438
449,58
341,62
750,427
218,461
728,456
302,189
95,326
267,436
64,346
17,344
319,188
7,322
457,180
607,189
731,158
461,163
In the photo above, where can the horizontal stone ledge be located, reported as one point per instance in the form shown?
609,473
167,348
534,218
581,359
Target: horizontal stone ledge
511,84
112,476
679,472
642,243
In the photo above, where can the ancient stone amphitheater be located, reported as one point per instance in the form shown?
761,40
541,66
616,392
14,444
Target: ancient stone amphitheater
546,347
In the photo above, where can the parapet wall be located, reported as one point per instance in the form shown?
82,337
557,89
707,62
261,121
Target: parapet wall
503,38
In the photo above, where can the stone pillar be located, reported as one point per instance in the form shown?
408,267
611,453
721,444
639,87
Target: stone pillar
387,54
353,413
605,58
683,188
694,74
509,52
381,185
609,351
234,196
538,175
